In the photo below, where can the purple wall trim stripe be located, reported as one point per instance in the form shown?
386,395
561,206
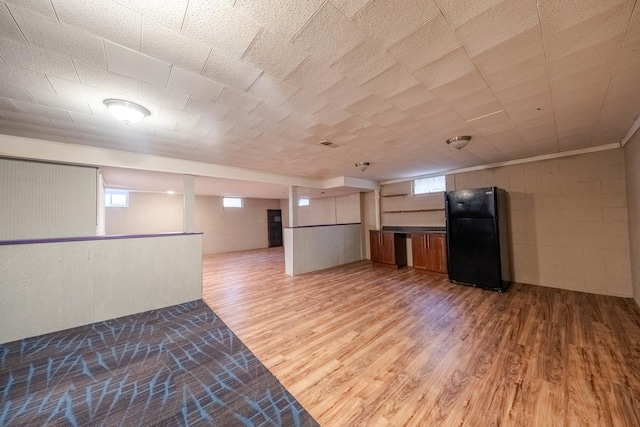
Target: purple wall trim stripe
88,238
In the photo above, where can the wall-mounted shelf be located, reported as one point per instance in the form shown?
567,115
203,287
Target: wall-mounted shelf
415,210
395,195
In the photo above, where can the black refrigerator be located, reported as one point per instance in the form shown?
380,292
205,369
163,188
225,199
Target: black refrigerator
477,238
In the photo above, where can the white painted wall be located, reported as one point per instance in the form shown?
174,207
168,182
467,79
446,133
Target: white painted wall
316,248
43,200
49,287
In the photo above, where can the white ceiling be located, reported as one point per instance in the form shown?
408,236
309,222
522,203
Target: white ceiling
257,84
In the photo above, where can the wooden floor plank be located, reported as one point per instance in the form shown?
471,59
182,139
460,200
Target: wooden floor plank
365,345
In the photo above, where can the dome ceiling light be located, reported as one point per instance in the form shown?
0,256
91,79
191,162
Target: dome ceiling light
458,142
126,111
363,166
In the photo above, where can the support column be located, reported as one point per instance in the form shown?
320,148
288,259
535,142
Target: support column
189,204
293,206
377,206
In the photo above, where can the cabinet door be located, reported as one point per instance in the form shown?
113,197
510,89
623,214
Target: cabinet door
437,253
388,248
375,245
419,250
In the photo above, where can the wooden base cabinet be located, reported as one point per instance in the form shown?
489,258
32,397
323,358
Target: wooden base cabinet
429,252
388,248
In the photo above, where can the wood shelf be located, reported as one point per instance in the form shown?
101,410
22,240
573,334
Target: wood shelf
415,211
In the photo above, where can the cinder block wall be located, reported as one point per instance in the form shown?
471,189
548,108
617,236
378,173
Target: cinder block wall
568,221
632,160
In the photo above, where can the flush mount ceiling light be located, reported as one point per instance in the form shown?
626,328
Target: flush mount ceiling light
459,142
126,111
363,166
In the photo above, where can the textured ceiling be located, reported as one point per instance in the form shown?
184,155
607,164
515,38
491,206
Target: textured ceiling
257,84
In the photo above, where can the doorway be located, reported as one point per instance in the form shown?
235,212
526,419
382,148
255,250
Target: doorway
274,221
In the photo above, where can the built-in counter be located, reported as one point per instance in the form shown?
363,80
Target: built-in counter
424,246
54,284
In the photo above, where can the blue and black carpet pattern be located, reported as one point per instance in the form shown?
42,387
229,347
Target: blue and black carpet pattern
179,365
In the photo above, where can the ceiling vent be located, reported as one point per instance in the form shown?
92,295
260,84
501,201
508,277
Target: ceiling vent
328,143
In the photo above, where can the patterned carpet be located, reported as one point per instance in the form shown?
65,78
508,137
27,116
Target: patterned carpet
179,365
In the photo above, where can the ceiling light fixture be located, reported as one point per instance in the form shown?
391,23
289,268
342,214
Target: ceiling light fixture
458,142
126,111
363,166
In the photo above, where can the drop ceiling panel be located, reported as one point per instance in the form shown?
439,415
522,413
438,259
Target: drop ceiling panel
237,100
8,27
557,15
607,25
271,89
129,63
285,17
272,113
305,102
390,82
329,34
104,18
411,97
160,41
429,42
34,58
120,86
219,25
458,12
274,54
388,20
61,38
513,51
445,69
460,87
224,69
193,85
343,93
5,104
314,75
364,61
161,96
497,25
350,7
168,12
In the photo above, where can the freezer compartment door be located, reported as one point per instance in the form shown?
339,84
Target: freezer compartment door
476,203
474,252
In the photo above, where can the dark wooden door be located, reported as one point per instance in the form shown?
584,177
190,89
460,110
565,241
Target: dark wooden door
274,221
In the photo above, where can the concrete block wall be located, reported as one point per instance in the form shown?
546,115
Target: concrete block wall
568,220
147,213
632,161
233,229
330,210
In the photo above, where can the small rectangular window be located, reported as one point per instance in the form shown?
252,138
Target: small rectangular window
116,198
303,202
232,202
429,185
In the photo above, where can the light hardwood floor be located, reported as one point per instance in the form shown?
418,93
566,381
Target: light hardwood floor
369,345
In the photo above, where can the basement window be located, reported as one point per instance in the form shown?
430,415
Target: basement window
231,202
433,184
303,202
116,198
